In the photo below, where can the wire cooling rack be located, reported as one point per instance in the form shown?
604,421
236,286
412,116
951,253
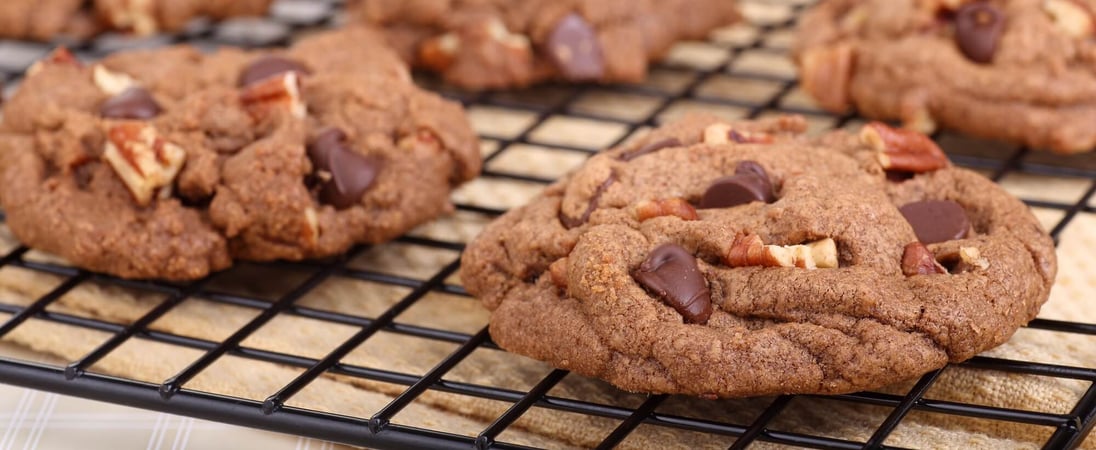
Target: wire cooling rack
694,76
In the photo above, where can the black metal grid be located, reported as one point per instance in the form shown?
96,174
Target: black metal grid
377,430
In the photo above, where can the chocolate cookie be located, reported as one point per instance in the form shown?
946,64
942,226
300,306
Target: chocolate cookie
735,259
44,20
510,43
170,163
151,16
1016,70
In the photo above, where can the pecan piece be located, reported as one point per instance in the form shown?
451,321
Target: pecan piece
144,161
59,55
902,150
919,260
750,250
110,82
438,53
826,73
277,93
1071,17
649,209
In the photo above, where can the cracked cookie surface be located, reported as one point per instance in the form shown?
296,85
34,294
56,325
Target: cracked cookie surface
498,44
170,163
796,278
1023,71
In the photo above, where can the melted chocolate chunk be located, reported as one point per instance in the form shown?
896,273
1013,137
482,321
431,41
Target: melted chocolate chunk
133,103
750,183
574,48
978,27
350,174
936,220
650,148
268,66
671,273
571,222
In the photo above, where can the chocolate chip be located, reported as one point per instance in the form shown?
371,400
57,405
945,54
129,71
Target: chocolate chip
133,103
268,66
670,272
571,222
978,26
351,173
895,176
574,48
321,147
936,220
753,168
750,183
650,148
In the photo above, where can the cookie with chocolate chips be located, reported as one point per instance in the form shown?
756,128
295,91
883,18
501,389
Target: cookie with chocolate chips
1022,71
737,259
499,44
80,19
171,163
152,16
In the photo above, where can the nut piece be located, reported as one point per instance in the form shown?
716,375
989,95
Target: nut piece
142,159
557,271
498,31
649,209
717,133
919,260
438,53
972,258
136,15
903,150
749,250
825,74
824,253
751,137
277,93
111,83
1072,18
310,230
59,55
721,133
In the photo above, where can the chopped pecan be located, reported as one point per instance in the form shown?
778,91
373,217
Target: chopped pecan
919,260
1074,18
59,55
438,53
277,93
649,209
110,82
310,228
902,150
750,250
826,73
144,161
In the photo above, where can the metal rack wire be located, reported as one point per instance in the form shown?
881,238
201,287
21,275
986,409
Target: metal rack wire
378,430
